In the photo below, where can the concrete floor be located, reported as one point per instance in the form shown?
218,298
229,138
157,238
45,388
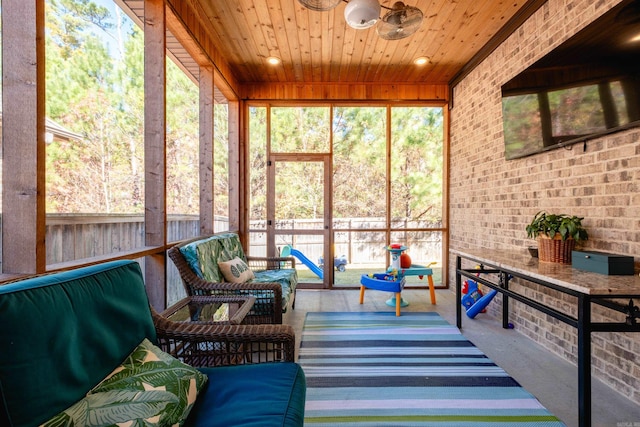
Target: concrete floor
550,378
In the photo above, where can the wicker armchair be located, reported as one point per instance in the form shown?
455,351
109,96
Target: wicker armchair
267,308
208,343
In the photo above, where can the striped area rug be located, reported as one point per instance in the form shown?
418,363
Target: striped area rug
376,369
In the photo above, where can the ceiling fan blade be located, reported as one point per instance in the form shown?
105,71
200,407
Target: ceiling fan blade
320,5
400,22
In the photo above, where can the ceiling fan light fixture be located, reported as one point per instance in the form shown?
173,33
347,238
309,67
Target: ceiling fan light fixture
362,14
398,14
320,5
399,22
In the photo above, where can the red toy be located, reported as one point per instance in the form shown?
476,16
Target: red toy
405,260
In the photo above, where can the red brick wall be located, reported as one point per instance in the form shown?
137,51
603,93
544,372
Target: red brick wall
492,199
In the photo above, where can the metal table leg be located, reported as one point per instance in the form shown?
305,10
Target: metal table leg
584,361
458,293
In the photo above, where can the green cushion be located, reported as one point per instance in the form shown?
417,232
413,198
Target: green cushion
61,334
190,254
261,395
220,247
286,277
208,252
231,247
150,388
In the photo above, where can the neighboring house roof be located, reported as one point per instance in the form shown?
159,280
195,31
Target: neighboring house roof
60,132
57,131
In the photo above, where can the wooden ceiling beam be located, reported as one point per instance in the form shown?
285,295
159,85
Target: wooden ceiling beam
345,91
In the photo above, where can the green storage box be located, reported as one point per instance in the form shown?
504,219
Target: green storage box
602,262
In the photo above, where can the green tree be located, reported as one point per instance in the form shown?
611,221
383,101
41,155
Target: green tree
258,163
221,160
91,92
359,162
130,93
68,21
417,136
183,196
360,159
300,185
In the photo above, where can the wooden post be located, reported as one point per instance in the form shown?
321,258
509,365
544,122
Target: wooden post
155,152
235,169
206,150
242,219
23,129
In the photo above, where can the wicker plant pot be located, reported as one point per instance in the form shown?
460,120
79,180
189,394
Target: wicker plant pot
556,249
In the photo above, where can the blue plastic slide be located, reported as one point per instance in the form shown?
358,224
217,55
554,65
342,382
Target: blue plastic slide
288,250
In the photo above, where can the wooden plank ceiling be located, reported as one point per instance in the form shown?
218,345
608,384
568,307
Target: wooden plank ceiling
319,46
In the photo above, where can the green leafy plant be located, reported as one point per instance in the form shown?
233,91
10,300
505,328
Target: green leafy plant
550,224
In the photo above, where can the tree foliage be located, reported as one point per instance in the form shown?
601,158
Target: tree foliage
359,166
95,87
416,163
360,180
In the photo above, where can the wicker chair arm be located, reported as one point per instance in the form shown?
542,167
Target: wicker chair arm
214,344
270,263
227,286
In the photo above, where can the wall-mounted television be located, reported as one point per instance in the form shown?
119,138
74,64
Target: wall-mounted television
587,87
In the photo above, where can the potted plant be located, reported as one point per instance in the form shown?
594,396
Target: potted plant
557,235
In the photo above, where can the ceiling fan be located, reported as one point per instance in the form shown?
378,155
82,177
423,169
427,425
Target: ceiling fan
398,22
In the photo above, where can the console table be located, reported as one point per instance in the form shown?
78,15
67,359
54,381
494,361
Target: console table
616,293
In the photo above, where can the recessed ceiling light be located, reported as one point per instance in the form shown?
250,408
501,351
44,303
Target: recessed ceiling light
273,60
421,60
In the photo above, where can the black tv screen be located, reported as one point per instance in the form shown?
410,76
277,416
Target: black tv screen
587,87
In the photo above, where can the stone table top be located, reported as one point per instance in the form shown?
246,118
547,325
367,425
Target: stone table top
562,275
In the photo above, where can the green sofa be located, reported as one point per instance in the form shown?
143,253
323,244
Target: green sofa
62,334
273,283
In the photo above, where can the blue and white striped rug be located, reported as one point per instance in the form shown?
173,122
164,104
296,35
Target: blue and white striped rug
376,369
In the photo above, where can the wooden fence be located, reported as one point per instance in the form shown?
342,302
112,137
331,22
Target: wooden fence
71,237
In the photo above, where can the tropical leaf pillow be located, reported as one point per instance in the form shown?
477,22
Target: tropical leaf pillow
150,388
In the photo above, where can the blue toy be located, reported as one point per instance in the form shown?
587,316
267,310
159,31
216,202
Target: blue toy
472,294
481,304
474,301
383,282
340,263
